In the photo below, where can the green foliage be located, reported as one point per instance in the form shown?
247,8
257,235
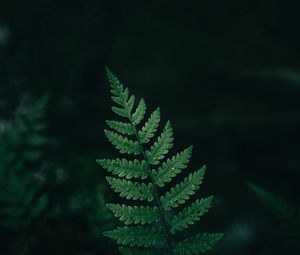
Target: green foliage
137,236
172,167
285,213
161,146
148,229
125,168
182,191
189,215
21,146
132,190
150,127
201,243
281,209
135,214
123,144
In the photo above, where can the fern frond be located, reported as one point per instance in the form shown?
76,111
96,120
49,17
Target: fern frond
200,243
150,127
159,229
161,146
139,113
172,167
125,168
189,215
137,236
135,214
132,190
121,127
182,192
123,144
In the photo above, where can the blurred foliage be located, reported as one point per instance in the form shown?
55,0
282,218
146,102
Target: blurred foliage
287,216
21,146
26,201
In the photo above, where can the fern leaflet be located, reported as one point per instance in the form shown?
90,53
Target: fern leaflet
132,190
135,214
182,191
125,168
137,236
189,215
121,127
172,167
161,146
200,243
150,127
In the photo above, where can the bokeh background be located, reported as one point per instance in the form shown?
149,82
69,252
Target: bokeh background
227,75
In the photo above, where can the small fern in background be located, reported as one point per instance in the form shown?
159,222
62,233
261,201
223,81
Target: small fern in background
286,215
149,228
31,197
21,147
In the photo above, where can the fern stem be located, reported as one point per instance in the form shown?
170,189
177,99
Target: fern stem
162,215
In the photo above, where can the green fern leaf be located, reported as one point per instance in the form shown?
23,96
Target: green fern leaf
123,144
137,236
125,168
189,215
201,243
139,113
172,167
161,146
132,190
150,127
182,192
135,214
121,127
159,228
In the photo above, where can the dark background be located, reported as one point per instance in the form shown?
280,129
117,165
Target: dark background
225,73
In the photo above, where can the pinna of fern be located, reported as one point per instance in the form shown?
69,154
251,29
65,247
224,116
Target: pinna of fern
147,228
